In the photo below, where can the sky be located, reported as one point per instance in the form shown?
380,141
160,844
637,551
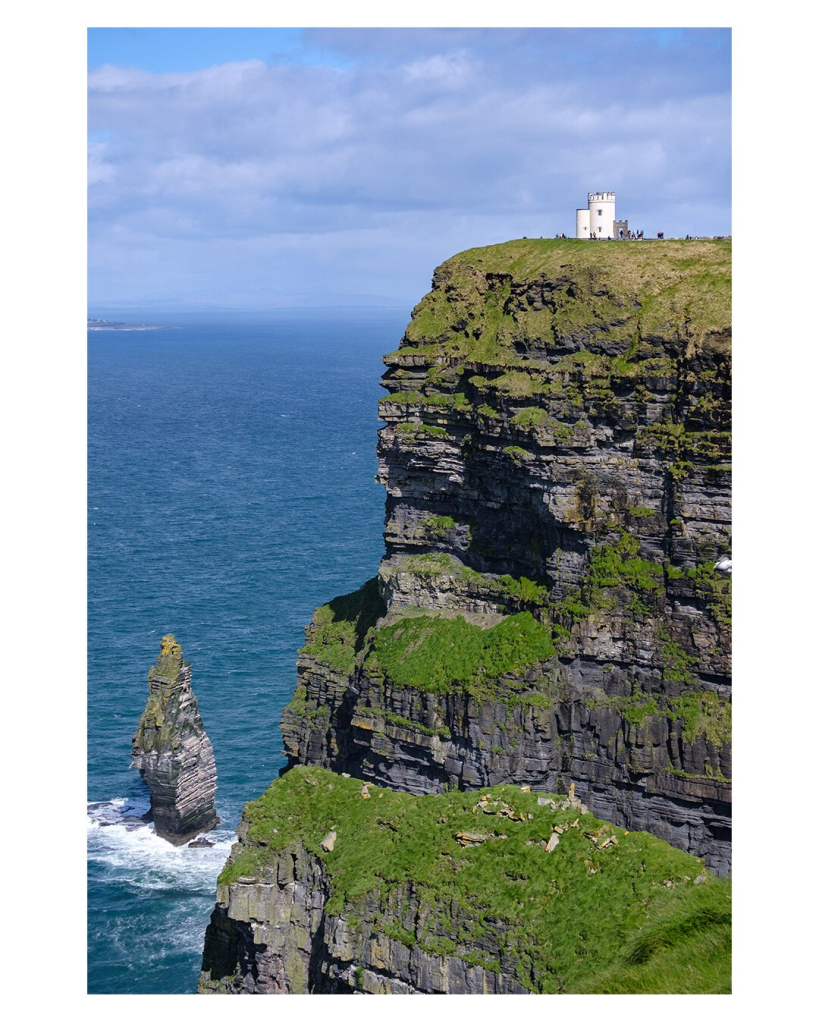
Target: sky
255,168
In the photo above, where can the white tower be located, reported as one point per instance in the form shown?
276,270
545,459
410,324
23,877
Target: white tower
598,220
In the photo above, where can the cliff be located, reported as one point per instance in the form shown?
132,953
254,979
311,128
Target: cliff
546,645
556,458
173,753
339,887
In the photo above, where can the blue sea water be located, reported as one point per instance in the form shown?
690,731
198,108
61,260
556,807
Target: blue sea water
230,492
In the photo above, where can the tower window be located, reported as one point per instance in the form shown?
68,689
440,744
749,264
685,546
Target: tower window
599,213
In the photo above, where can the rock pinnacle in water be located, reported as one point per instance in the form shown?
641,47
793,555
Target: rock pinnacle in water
173,753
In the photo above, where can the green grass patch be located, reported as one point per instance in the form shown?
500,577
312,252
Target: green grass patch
402,398
512,384
300,708
439,654
531,416
620,565
519,456
715,589
338,629
406,723
684,947
677,663
438,526
703,714
488,411
455,400
421,429
680,447
624,918
524,590
435,563
638,708
446,400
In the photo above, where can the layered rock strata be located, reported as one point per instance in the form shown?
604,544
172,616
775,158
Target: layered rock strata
173,753
335,887
556,457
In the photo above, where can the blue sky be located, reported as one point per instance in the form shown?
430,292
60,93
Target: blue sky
257,168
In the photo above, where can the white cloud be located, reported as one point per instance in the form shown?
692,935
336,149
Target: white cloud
246,152
447,69
99,170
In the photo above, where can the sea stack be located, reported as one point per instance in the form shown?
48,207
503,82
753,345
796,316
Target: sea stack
173,753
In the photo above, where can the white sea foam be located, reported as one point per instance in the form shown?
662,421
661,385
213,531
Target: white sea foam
128,850
158,896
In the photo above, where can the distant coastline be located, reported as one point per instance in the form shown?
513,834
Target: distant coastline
95,324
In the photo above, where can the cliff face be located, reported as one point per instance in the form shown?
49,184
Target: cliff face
335,887
173,753
556,457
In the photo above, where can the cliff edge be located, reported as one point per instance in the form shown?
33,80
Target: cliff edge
173,753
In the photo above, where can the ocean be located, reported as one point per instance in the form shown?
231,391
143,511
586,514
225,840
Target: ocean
230,492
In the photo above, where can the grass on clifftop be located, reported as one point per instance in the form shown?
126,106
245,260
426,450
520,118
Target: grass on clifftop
668,278
624,918
625,290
